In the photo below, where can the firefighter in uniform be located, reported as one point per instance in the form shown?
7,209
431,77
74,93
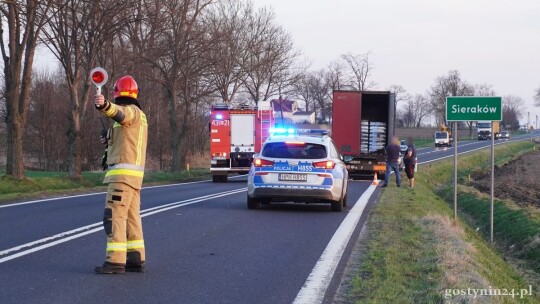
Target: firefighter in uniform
126,157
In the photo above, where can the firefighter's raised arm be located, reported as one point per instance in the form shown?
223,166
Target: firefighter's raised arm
99,101
125,95
117,113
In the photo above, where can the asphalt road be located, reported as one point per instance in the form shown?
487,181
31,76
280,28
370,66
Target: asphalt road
431,154
203,245
199,249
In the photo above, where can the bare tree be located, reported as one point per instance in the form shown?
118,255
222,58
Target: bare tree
415,110
399,94
314,90
449,85
270,57
322,95
226,25
24,22
335,77
537,98
512,111
180,59
75,36
135,51
360,69
335,80
302,90
46,120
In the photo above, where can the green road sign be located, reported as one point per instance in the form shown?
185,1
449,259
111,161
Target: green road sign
473,108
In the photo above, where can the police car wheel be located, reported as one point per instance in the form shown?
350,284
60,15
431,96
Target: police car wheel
253,203
337,206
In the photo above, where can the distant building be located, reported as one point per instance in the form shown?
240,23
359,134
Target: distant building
304,117
285,106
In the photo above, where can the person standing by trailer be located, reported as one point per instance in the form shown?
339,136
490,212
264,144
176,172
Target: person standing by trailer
126,157
410,161
392,161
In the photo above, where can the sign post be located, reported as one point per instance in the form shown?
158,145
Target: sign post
455,135
474,108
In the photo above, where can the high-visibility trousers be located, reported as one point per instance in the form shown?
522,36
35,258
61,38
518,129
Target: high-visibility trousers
123,226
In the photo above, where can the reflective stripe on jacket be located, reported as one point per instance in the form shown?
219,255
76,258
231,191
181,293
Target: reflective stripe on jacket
127,144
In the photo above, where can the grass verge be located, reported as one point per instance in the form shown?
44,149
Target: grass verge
41,184
416,254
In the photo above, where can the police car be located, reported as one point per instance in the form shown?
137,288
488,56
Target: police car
298,167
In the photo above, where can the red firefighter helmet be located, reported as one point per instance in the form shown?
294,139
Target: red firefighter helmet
126,86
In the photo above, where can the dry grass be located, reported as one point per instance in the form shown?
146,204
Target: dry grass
456,259
199,160
195,161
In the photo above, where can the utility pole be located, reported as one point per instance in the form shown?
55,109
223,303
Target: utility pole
528,121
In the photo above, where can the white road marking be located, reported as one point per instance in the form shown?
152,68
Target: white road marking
49,199
98,193
82,231
465,152
319,279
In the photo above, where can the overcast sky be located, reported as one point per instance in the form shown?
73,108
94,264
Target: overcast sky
412,42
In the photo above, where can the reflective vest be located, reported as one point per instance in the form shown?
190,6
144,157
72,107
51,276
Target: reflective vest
127,144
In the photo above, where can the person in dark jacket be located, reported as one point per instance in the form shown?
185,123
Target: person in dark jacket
392,161
410,161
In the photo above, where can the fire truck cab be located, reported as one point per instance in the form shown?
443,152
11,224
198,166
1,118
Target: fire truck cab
237,132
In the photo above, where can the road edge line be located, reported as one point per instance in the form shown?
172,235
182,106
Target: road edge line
321,275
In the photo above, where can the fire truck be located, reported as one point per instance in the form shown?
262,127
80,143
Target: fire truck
237,132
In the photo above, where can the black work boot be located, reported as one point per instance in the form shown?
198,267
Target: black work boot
135,267
110,268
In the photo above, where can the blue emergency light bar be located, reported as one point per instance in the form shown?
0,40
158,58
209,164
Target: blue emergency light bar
292,131
282,131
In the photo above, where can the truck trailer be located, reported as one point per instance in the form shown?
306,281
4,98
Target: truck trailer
237,132
362,125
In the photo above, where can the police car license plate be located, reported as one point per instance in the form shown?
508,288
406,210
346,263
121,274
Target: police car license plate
293,177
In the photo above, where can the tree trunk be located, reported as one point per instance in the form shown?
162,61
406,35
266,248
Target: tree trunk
74,151
180,144
17,106
175,132
15,159
181,152
74,135
18,59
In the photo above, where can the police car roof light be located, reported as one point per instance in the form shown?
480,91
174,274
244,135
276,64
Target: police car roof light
319,132
282,131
